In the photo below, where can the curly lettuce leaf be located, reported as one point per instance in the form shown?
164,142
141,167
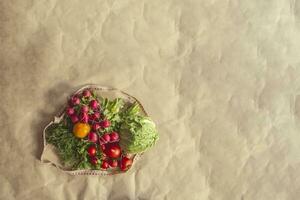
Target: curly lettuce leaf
137,133
71,150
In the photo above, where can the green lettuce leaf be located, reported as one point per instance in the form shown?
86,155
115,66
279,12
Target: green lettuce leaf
137,133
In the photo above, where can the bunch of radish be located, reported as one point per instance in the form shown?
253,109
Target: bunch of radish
90,124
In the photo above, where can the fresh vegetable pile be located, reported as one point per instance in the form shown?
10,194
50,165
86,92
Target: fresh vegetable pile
98,133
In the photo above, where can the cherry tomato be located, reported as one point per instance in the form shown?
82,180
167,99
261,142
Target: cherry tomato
94,160
104,164
113,163
113,151
122,168
125,163
92,150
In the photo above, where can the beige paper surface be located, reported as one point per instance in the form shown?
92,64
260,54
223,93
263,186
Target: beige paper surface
220,78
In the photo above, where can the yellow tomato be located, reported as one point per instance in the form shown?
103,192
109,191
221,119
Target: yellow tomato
81,130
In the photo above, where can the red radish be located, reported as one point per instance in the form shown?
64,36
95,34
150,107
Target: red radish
113,150
113,163
94,104
84,117
102,147
93,137
70,111
96,126
84,120
102,141
92,150
125,163
95,116
105,123
75,100
91,119
114,136
74,118
84,109
106,137
104,164
94,160
86,93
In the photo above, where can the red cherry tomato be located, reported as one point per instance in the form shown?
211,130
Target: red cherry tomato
113,163
123,168
125,163
92,150
113,151
94,160
104,164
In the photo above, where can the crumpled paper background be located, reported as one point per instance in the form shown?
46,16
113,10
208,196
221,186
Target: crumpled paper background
220,78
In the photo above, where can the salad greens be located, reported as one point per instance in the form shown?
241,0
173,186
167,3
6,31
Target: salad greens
137,133
132,131
71,149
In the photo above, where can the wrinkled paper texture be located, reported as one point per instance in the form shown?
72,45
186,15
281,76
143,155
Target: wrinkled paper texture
220,78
